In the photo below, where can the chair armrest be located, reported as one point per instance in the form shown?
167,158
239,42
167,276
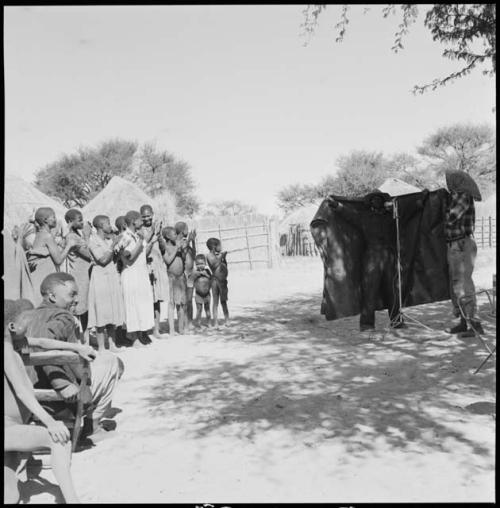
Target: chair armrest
53,358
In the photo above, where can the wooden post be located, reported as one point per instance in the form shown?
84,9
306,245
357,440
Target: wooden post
489,230
482,231
220,234
248,249
268,243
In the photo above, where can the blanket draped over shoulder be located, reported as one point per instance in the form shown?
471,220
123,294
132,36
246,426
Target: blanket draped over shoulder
424,264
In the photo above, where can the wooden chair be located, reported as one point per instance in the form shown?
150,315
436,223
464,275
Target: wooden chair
49,395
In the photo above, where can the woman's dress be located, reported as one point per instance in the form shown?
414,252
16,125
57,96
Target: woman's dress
105,293
79,268
136,287
41,265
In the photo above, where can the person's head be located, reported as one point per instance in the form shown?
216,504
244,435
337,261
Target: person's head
74,219
120,223
133,219
61,290
376,200
101,222
214,244
147,215
15,317
200,261
45,216
169,234
181,228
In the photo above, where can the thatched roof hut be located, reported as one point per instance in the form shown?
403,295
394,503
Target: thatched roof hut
303,215
22,199
120,196
396,187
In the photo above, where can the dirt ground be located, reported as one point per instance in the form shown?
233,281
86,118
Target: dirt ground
283,406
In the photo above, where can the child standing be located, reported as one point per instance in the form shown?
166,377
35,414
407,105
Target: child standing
187,240
105,295
174,260
202,277
218,264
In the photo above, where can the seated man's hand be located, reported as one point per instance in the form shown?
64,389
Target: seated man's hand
86,352
59,433
70,393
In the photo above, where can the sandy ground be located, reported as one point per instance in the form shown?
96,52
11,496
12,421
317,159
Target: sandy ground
283,406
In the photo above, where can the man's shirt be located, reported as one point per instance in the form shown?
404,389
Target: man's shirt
460,217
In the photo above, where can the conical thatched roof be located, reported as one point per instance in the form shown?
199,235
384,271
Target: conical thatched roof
22,199
120,196
396,187
302,215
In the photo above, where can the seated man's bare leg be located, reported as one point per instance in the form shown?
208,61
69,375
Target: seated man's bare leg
27,438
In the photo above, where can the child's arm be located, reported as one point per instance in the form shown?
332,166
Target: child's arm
86,352
16,374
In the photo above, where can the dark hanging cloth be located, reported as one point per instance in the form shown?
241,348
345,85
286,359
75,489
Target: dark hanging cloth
423,249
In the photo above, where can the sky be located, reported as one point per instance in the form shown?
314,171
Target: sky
232,90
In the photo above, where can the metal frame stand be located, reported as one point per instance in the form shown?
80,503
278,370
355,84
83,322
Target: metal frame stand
491,299
401,314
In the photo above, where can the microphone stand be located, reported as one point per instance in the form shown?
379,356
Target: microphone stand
401,315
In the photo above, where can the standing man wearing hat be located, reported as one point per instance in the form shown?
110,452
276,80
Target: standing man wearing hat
462,250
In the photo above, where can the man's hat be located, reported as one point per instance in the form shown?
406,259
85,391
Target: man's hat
460,181
375,192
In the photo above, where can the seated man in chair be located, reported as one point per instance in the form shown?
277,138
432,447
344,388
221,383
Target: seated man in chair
53,319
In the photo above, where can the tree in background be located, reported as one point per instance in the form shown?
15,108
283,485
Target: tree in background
465,147
296,195
469,31
158,170
228,207
76,178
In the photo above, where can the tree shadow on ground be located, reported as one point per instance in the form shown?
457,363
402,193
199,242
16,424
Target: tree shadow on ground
318,378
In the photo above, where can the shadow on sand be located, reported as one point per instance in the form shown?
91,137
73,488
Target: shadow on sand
308,375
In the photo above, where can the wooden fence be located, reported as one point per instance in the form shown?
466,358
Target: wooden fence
249,245
486,231
299,242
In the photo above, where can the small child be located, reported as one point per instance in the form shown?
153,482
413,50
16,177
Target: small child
174,260
202,280
187,240
218,264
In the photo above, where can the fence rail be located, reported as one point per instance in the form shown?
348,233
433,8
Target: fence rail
486,232
246,244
